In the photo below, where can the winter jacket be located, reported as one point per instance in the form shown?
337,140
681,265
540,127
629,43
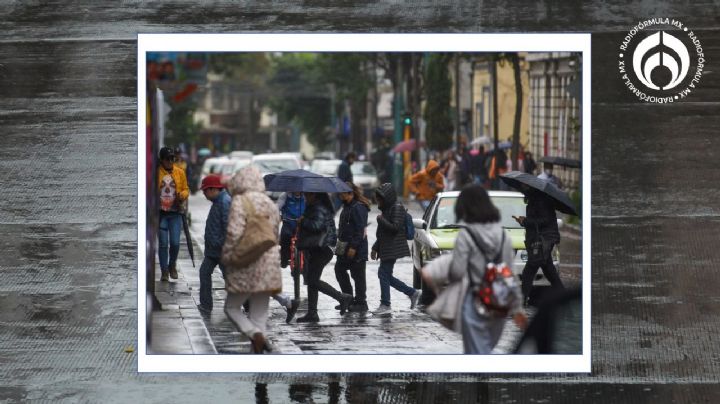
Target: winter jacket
263,275
540,216
465,254
419,183
352,228
318,218
216,225
391,241
172,184
344,172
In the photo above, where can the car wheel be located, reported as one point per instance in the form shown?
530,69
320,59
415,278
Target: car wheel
428,296
417,280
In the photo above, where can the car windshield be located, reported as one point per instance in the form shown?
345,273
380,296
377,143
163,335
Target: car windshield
509,206
363,169
276,165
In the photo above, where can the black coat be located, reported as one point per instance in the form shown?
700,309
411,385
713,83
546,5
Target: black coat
351,228
344,172
318,218
540,216
391,240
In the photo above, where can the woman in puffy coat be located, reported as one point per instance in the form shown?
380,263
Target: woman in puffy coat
318,219
258,281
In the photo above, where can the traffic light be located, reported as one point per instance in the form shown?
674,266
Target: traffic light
407,121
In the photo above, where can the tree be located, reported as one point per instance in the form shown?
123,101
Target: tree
181,123
515,59
437,110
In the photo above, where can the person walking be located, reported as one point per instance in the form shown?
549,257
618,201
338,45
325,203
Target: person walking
426,183
390,245
481,236
352,247
529,164
174,193
344,171
450,169
540,223
215,231
258,281
317,234
292,206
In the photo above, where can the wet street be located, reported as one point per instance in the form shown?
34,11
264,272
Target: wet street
404,331
69,207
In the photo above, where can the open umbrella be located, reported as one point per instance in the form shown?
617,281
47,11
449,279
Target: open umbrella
561,161
303,181
562,202
407,146
188,239
482,140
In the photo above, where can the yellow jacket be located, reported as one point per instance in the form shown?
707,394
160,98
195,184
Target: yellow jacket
420,182
165,187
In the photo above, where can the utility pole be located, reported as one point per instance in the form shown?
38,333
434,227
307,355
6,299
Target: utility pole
493,72
397,135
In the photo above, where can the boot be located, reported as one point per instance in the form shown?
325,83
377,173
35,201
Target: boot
309,317
345,302
173,271
292,310
258,343
164,276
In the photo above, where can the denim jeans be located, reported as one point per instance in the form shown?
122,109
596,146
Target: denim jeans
206,270
385,273
170,225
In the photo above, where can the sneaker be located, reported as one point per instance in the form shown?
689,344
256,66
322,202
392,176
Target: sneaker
291,311
310,317
204,309
414,299
382,309
164,277
358,307
173,272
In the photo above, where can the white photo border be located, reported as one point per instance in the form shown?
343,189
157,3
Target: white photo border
374,363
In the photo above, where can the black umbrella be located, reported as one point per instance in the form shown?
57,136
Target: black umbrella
562,202
303,181
188,239
561,161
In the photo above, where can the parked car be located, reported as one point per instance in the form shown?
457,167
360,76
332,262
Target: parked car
241,154
229,168
212,165
365,177
436,232
327,168
273,163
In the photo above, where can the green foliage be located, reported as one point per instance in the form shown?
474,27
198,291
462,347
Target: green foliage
251,68
437,110
576,198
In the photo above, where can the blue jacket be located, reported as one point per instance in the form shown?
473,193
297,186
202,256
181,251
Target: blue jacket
353,222
216,225
292,209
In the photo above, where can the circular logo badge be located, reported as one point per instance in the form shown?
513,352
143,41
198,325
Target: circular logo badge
661,60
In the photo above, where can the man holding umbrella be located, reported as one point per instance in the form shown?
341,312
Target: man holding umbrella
540,223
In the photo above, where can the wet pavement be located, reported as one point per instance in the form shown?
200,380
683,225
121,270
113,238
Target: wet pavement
68,211
404,331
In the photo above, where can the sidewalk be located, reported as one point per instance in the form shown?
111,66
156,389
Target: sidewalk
179,328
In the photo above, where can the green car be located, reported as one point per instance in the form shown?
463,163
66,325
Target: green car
435,234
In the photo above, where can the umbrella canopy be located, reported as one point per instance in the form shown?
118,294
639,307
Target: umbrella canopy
406,146
562,202
561,161
304,181
480,141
